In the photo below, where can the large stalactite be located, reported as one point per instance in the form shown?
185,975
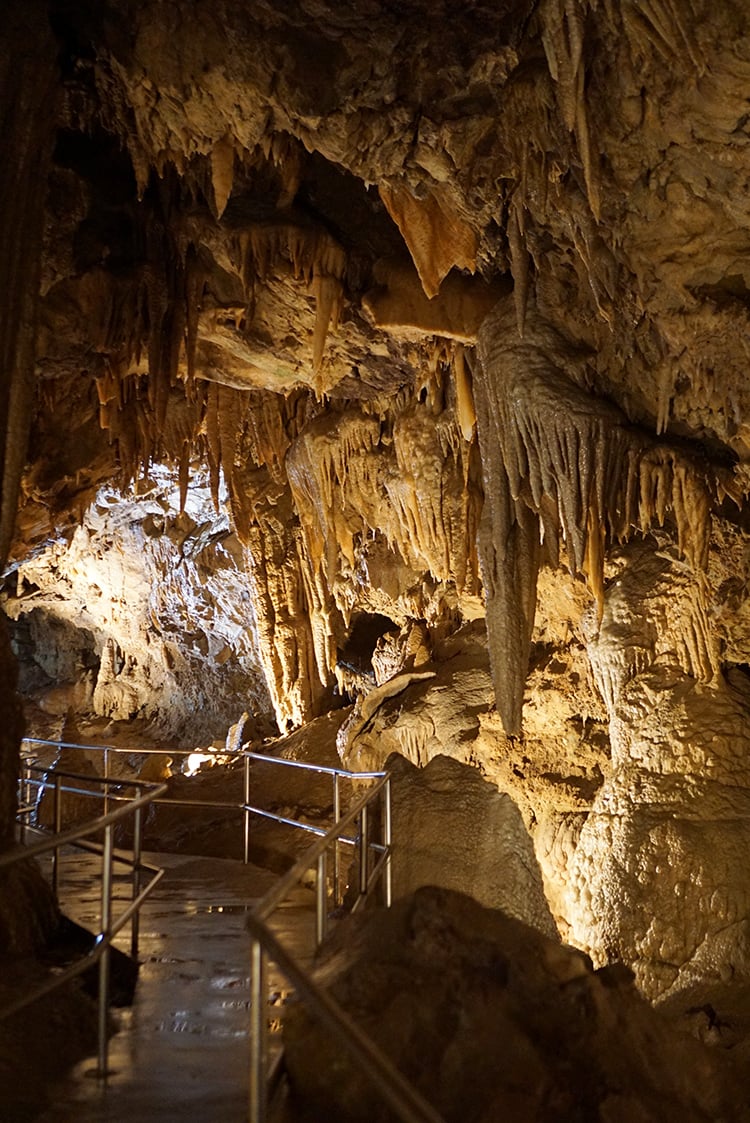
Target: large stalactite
561,465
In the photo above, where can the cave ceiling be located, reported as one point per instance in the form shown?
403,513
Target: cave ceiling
444,294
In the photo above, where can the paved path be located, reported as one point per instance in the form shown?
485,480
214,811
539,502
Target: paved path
181,1052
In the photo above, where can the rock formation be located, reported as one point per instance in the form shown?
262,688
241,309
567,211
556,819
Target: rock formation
400,350
490,1020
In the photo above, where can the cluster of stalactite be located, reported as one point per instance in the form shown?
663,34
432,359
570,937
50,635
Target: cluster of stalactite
307,486
409,476
510,176
406,477
559,463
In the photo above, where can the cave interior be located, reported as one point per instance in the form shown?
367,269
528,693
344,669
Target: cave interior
377,374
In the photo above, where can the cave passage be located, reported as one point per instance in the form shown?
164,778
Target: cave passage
374,396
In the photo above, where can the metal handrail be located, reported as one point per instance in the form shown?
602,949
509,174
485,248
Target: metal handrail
245,808
278,892
118,750
59,788
72,834
109,926
408,1103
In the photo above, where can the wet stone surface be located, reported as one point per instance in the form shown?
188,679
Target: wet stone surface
181,1051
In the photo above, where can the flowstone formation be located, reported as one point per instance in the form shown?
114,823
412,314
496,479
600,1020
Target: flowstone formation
670,821
445,307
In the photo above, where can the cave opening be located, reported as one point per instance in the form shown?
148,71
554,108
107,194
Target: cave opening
356,654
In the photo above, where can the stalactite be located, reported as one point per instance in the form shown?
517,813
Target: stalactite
283,623
107,386
666,390
660,24
184,474
340,468
316,258
593,565
563,40
222,173
583,136
509,551
213,440
329,294
548,441
194,284
465,409
519,262
230,426
157,296
287,154
324,466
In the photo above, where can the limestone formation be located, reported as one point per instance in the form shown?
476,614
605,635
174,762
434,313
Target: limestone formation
148,606
395,354
464,835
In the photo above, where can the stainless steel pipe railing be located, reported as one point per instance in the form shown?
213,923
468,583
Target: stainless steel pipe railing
109,926
243,807
372,868
408,1104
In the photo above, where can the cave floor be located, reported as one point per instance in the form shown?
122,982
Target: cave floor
181,1050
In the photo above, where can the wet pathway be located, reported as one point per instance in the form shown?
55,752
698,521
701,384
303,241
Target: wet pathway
181,1050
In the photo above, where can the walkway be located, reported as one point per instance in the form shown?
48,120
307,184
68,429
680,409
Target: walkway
181,1051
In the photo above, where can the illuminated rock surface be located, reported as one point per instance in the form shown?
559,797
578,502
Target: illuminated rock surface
399,352
143,613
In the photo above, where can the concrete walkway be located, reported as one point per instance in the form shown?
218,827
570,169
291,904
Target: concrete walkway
181,1050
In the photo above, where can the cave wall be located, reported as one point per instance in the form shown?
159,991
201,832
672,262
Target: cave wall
144,612
450,302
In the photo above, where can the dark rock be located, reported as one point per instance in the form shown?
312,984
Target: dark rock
491,1020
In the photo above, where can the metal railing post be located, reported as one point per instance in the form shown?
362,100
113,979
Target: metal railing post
106,774
246,800
321,900
25,798
137,844
106,922
336,817
258,1031
57,826
387,840
364,846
